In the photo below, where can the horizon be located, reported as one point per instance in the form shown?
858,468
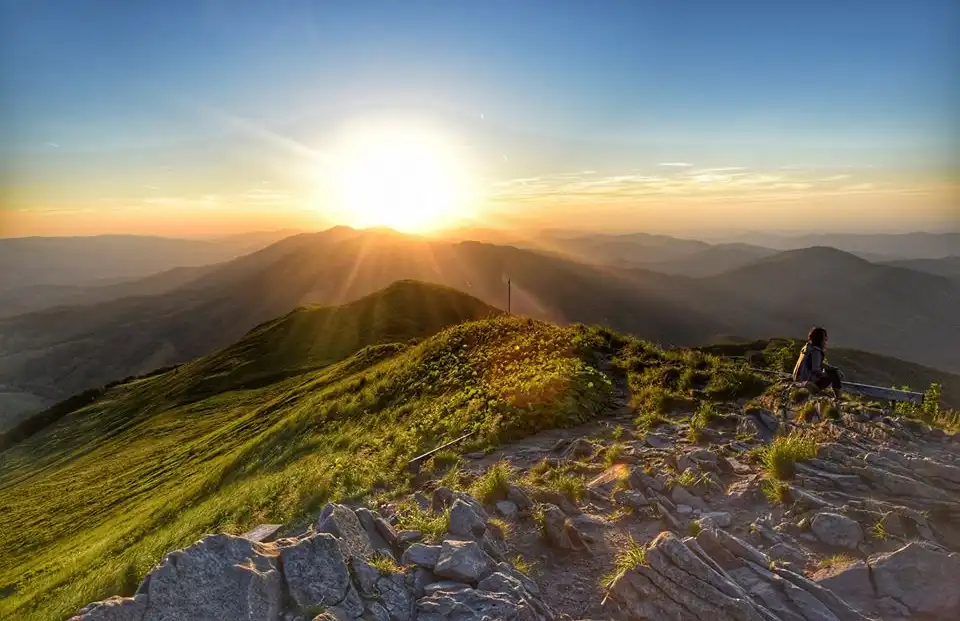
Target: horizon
197,120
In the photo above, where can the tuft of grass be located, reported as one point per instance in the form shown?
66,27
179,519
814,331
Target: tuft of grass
617,433
688,478
385,565
494,484
433,526
694,528
879,531
502,527
620,513
525,567
627,559
648,421
808,413
835,560
613,453
702,418
776,492
831,412
799,395
781,456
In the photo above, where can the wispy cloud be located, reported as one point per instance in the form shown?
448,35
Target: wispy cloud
676,164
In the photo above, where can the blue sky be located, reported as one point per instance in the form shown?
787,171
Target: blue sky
96,92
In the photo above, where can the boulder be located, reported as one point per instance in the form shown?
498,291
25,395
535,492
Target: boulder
836,530
343,523
463,561
465,521
114,609
925,580
421,555
316,573
519,497
477,605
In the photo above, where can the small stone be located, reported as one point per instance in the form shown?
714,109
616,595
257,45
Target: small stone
684,510
836,530
508,509
406,537
716,519
519,497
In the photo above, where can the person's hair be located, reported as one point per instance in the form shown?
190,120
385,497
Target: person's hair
817,336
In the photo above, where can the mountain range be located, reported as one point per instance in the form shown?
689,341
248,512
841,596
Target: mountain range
173,317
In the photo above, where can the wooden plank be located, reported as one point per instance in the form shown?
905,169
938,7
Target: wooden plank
883,394
865,390
263,532
419,458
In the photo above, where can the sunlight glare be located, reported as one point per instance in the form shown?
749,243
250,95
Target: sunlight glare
403,179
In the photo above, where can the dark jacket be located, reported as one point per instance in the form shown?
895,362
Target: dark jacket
809,365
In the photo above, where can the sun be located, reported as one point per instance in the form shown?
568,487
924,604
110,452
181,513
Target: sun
404,179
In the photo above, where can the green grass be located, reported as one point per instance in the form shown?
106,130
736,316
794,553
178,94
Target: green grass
385,565
704,416
494,484
781,456
613,453
432,525
836,560
525,567
631,557
808,413
91,503
777,492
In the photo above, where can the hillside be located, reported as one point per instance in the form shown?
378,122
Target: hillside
57,352
592,448
150,465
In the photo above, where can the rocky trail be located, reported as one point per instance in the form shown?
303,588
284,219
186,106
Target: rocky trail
610,521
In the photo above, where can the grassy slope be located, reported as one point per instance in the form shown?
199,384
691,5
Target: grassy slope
91,503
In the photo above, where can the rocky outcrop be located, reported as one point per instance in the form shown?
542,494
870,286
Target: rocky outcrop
327,573
717,577
917,582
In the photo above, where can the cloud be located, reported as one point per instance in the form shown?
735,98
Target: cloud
675,164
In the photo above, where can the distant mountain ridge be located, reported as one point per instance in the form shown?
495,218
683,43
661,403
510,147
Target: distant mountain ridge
890,310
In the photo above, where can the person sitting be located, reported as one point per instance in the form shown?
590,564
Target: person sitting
811,367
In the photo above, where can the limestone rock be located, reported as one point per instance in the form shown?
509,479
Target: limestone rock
477,605
344,524
924,580
836,530
316,573
716,519
463,561
421,555
465,521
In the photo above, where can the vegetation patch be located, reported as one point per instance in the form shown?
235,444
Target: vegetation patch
781,456
631,557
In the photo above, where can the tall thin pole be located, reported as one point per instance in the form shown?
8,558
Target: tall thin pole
508,297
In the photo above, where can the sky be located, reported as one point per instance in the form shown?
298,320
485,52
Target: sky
220,116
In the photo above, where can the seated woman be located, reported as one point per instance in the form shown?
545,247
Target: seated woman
811,367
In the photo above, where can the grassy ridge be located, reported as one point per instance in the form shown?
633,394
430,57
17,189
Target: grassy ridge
92,502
